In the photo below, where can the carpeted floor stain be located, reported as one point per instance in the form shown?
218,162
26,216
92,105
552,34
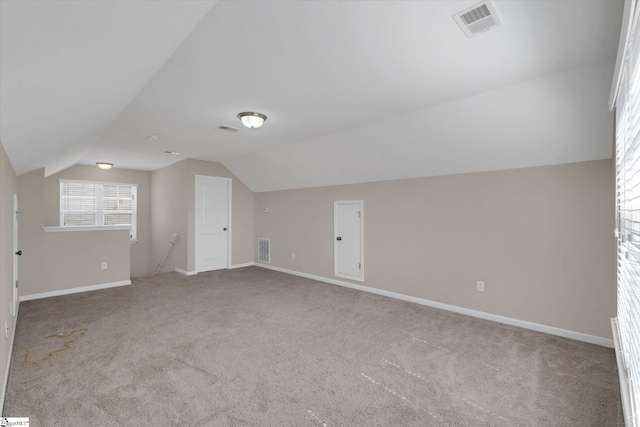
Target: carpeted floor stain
253,347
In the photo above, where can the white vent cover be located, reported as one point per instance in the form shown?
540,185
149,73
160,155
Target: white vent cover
228,128
264,250
478,19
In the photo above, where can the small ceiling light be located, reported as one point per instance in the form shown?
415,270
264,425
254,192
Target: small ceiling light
252,120
103,165
152,137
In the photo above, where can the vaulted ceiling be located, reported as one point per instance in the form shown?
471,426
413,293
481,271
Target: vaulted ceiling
354,91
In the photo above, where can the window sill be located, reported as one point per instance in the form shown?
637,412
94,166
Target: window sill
103,228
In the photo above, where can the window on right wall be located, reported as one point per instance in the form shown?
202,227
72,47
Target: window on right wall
626,326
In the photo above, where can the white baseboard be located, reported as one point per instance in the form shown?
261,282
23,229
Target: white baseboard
74,290
186,273
6,374
454,308
246,264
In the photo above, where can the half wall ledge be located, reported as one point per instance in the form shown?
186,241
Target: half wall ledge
56,229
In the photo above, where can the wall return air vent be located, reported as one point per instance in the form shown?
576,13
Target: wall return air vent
264,250
478,19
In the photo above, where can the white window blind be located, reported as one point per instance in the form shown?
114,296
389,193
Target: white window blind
628,221
78,204
85,203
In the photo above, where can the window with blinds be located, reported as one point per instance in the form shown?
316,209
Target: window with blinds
628,224
95,204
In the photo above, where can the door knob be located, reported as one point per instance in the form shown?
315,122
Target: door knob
224,229
19,253
338,238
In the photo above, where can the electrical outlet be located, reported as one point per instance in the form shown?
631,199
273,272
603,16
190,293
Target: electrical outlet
104,266
480,286
265,209
293,255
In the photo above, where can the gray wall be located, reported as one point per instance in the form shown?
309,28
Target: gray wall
141,250
540,238
8,187
241,211
168,204
59,261
173,202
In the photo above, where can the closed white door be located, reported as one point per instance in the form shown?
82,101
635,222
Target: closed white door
212,223
16,253
349,239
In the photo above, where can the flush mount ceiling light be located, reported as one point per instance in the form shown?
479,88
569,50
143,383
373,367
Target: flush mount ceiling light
252,120
103,165
153,137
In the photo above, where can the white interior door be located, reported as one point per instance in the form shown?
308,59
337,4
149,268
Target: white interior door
212,223
349,239
16,253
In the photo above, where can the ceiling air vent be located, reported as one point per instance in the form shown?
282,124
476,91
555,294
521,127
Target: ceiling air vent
478,19
228,129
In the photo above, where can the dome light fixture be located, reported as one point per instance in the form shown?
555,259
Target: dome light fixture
104,165
252,120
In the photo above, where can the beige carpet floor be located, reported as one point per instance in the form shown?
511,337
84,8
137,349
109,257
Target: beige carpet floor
256,347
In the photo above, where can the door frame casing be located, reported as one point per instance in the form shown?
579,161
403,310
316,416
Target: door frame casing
337,203
15,297
229,182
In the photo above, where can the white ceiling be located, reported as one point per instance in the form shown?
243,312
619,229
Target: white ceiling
354,91
69,68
